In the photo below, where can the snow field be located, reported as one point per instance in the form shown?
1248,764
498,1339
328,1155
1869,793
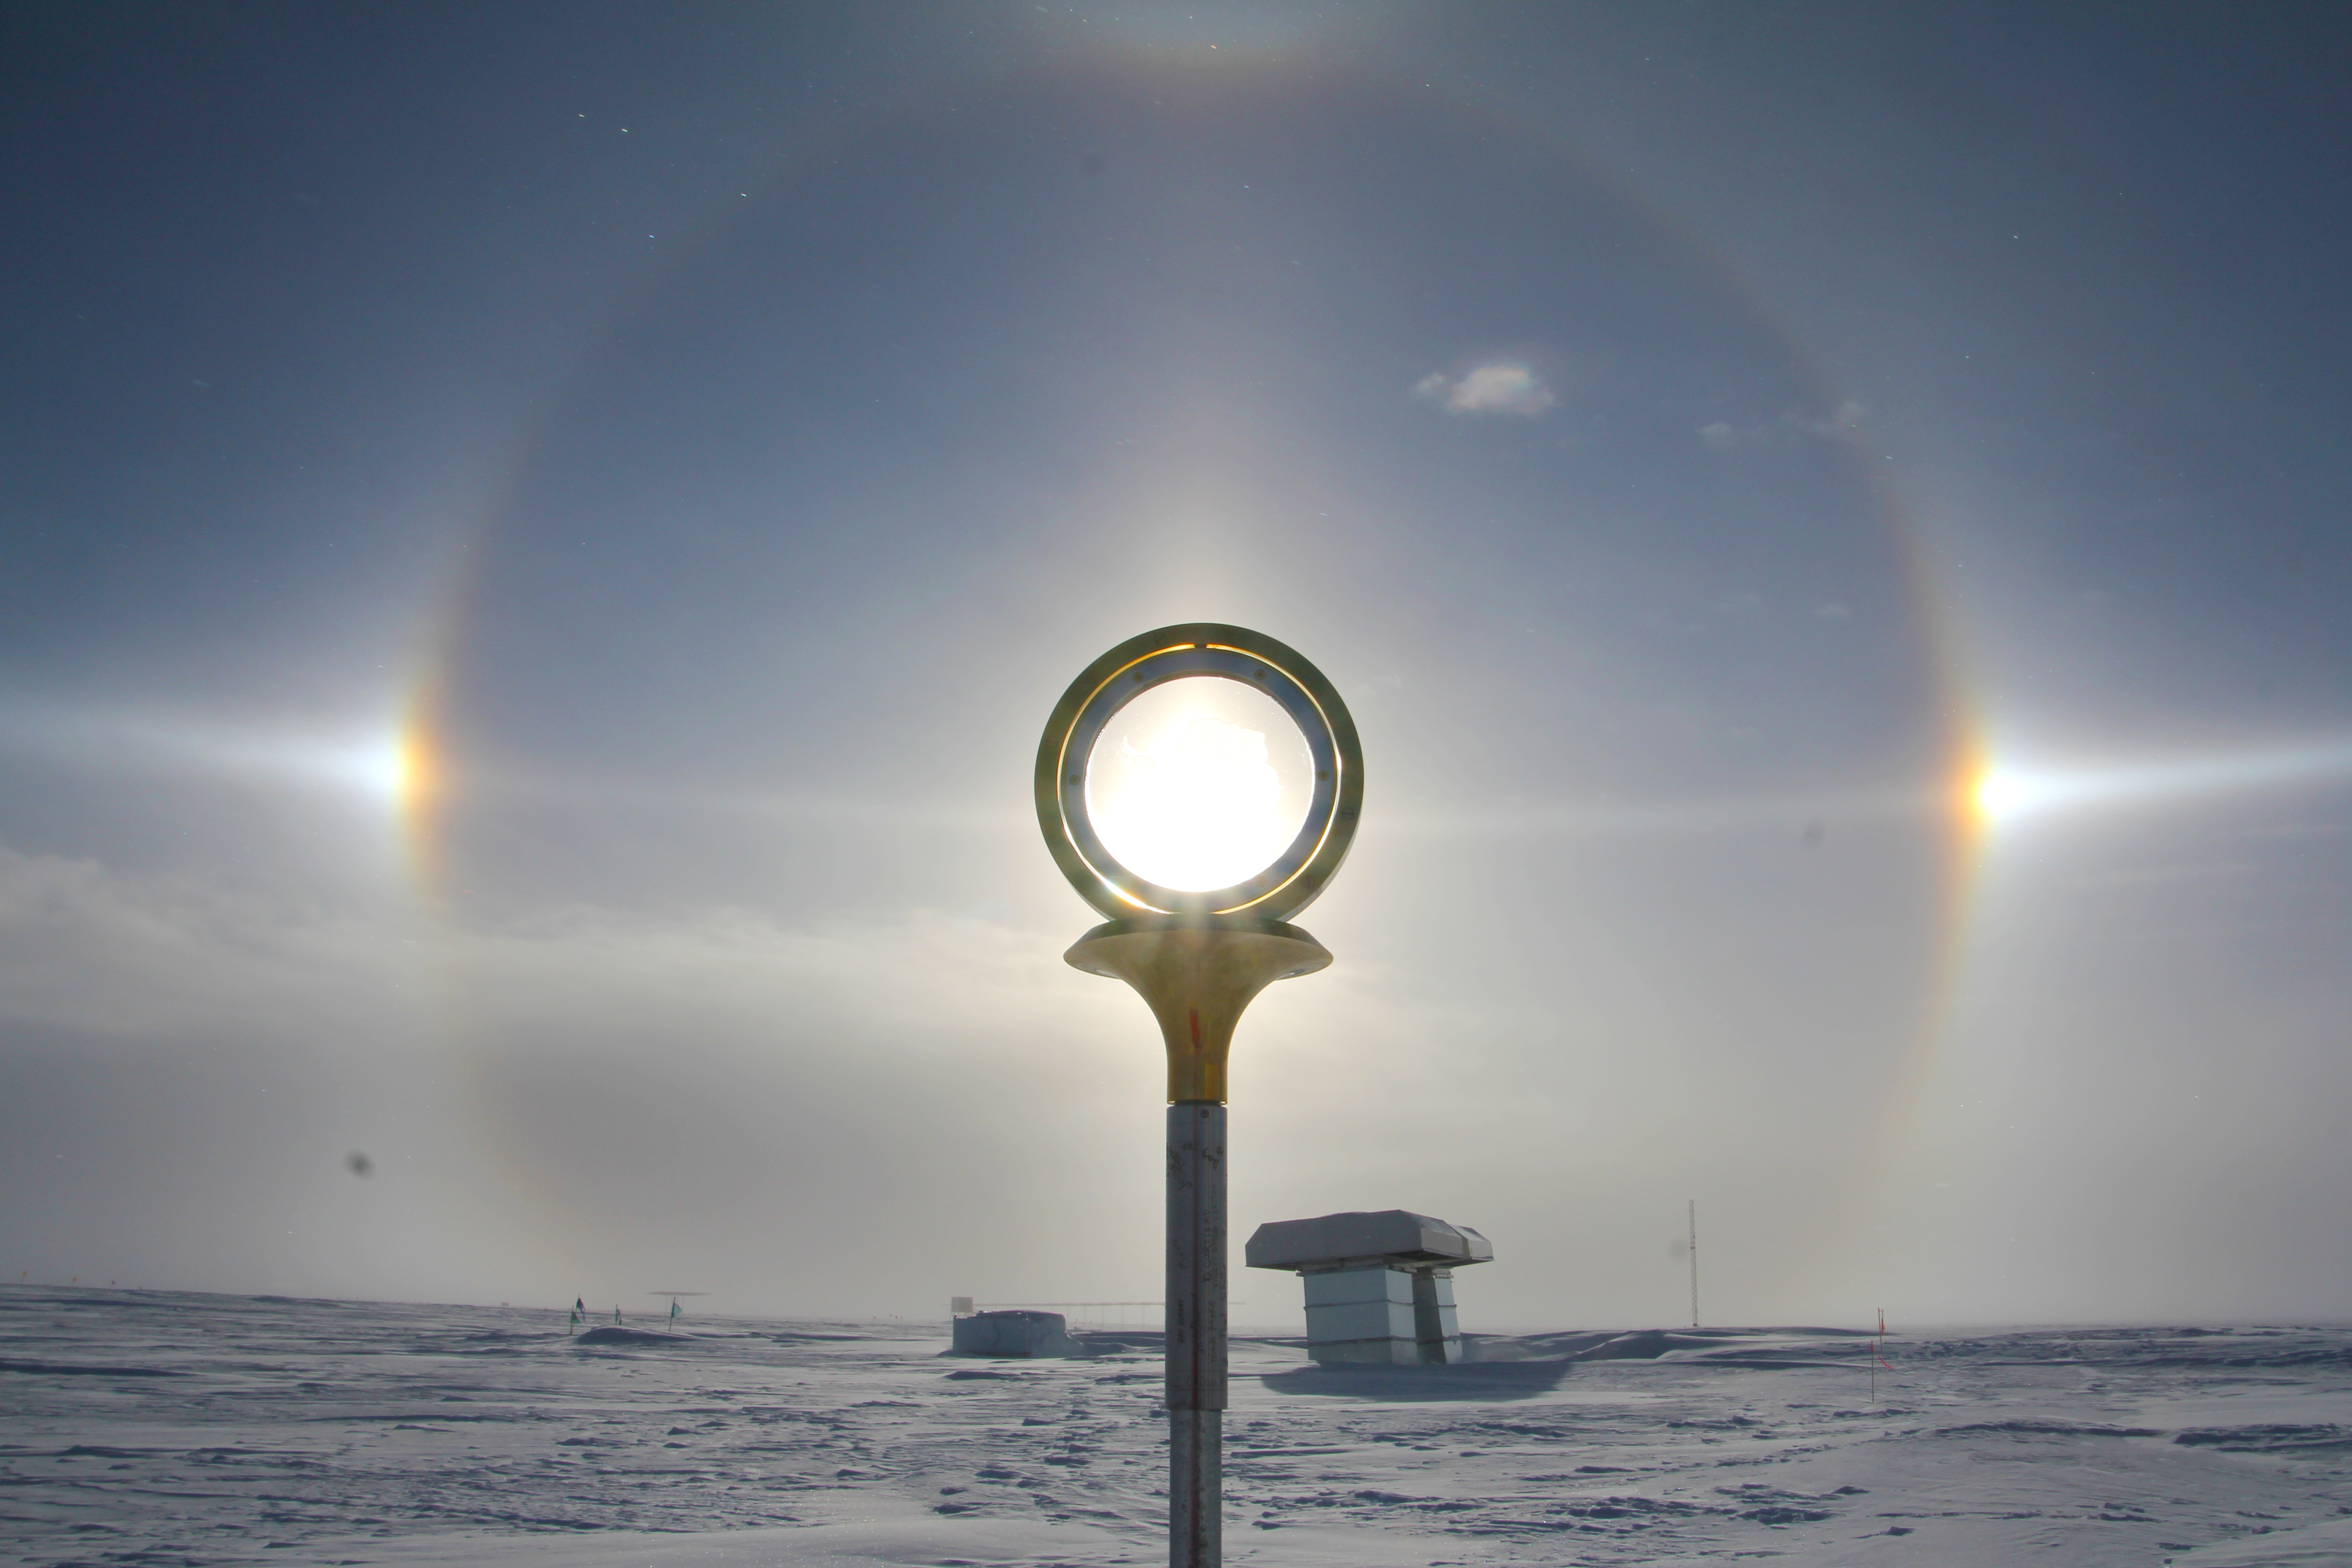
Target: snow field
155,1428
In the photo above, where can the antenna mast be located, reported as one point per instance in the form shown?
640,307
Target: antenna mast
1694,1257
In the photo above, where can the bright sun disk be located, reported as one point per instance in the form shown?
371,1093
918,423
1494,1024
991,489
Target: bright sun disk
1188,787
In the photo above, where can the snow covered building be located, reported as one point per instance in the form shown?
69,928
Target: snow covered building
1014,1334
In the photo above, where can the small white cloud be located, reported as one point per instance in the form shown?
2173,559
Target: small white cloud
1501,387
1846,418
1794,424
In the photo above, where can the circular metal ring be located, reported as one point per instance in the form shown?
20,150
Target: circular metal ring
1291,881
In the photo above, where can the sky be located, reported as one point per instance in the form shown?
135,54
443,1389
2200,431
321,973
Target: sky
537,542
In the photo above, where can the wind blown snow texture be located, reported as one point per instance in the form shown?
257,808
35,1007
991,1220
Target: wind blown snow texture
155,1428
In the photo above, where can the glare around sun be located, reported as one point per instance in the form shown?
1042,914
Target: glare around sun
1199,784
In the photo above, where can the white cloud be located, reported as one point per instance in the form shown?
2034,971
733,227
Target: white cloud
1794,423
1501,387
1843,420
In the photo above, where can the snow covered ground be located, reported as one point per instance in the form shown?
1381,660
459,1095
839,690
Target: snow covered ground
152,1427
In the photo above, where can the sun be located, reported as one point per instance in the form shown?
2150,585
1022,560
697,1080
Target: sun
1189,798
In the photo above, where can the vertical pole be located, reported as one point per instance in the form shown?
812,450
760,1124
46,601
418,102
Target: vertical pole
1694,1246
1197,975
1196,1333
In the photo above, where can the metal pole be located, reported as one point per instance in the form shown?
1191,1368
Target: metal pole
1693,1251
1197,975
1196,1333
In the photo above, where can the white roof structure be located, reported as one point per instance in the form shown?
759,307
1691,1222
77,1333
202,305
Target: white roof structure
1396,1238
